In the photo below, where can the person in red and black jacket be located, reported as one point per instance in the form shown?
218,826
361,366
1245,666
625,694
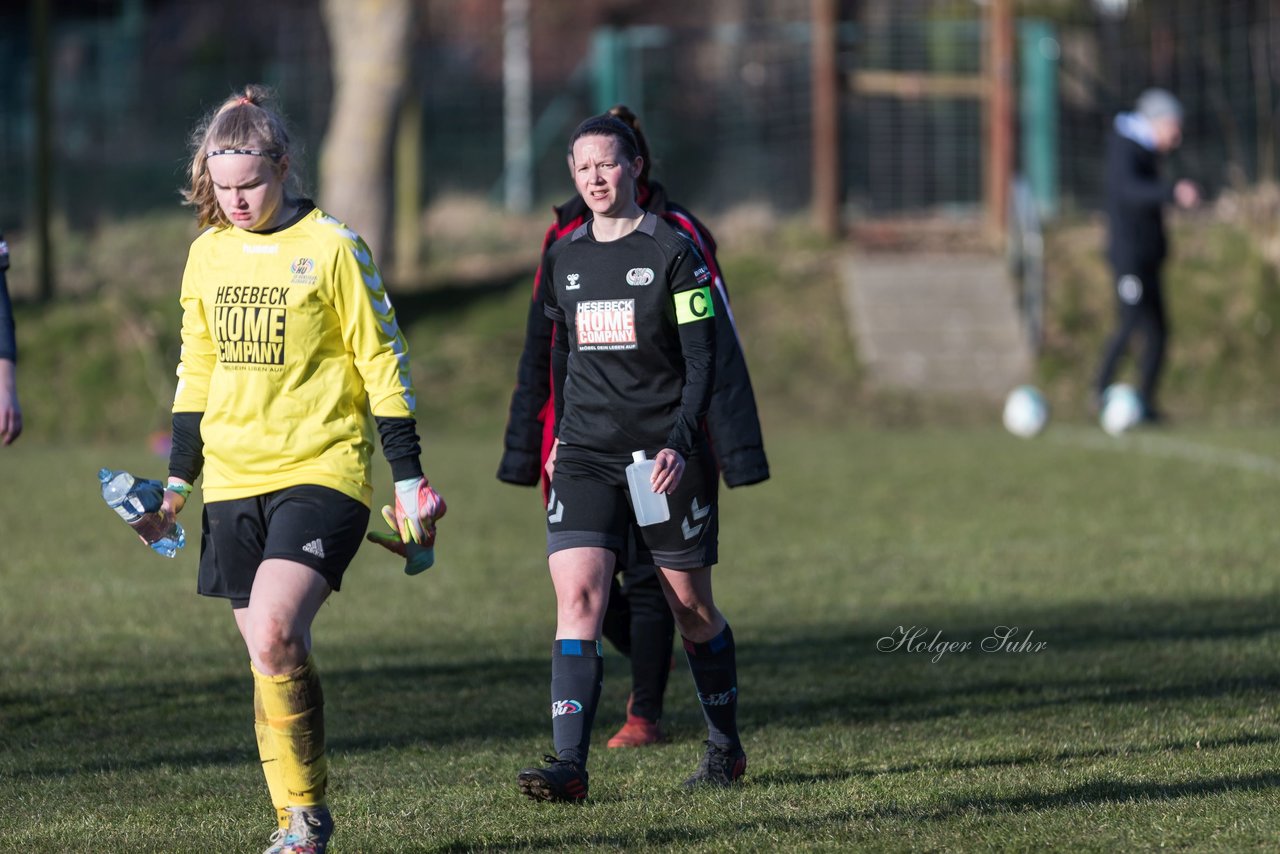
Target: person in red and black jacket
638,621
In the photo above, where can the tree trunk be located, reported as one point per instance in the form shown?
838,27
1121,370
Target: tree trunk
369,41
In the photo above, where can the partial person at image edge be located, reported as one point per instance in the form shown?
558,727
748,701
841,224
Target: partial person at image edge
10,411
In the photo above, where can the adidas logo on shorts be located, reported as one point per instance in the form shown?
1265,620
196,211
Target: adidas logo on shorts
314,548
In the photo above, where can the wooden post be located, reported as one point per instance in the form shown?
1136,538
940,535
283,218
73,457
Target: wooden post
826,119
1000,117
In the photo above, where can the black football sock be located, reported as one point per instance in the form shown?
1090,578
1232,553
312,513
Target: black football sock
617,618
577,672
715,675
652,630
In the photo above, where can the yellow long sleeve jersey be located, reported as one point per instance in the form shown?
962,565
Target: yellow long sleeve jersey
289,344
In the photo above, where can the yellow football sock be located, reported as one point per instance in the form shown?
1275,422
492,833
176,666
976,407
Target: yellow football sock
267,752
293,711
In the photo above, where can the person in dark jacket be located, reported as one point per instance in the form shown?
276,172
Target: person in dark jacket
638,621
10,412
1136,196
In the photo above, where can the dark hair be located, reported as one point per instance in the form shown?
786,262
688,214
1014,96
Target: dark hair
609,125
623,112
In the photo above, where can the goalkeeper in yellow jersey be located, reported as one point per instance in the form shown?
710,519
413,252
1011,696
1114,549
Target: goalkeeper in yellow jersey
291,355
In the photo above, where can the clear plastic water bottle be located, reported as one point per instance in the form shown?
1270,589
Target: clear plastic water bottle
650,507
138,502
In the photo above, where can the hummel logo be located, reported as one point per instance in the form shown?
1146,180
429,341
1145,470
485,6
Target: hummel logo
698,513
314,548
573,282
557,506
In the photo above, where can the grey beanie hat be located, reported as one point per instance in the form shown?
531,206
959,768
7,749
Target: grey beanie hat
1159,104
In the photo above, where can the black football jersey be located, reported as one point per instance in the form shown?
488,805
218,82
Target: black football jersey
634,345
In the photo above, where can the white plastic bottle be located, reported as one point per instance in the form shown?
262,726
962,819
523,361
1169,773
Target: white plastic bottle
136,502
650,507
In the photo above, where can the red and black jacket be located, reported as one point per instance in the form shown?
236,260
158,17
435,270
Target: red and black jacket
733,424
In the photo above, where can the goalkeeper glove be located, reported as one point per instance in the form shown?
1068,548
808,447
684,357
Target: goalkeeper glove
416,558
413,520
418,506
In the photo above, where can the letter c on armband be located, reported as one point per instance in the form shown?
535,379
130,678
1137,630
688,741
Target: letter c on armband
694,305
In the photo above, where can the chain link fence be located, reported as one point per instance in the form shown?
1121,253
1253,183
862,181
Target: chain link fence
723,89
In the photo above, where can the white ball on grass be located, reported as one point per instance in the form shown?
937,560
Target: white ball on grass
1121,409
1025,412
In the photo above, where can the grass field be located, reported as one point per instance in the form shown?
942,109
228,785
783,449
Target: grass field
1148,720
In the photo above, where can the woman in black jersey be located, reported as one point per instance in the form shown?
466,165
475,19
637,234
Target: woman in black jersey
633,370
637,620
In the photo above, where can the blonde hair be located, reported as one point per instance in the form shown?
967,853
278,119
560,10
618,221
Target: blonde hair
244,120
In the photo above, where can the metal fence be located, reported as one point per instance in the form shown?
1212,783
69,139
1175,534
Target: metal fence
129,80
725,97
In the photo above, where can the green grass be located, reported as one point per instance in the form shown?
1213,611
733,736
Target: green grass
1146,564
98,364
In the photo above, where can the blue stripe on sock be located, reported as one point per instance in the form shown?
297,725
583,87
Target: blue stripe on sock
571,647
580,648
718,642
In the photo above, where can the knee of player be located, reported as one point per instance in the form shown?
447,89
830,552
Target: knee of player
693,614
275,647
581,603
686,609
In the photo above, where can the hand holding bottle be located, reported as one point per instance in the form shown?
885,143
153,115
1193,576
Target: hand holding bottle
140,504
648,502
668,469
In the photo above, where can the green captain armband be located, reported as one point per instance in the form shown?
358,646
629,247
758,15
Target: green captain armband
694,305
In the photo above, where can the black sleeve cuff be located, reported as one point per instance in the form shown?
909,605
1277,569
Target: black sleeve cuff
400,446
406,468
186,455
520,468
744,468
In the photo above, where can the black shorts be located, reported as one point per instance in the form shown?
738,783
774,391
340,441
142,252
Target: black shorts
312,525
590,506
